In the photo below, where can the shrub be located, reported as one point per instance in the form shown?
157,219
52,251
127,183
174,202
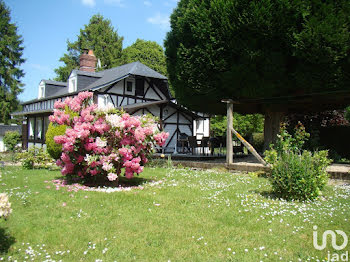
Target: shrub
100,142
11,140
35,157
296,174
258,141
54,149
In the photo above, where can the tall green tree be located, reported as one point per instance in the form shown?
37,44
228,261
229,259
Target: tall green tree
100,36
148,53
246,125
257,49
11,51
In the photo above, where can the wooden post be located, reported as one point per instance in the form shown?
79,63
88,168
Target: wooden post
229,145
230,130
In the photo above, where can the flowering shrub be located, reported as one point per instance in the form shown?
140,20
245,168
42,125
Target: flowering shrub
101,142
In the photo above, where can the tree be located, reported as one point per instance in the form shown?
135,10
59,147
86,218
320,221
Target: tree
100,36
11,51
246,125
255,50
148,53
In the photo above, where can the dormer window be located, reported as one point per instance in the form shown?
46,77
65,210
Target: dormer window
72,83
41,90
129,86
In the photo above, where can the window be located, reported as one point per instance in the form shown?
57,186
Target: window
46,125
39,128
72,83
41,90
129,86
31,125
140,87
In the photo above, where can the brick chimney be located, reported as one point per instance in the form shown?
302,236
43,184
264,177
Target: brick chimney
88,61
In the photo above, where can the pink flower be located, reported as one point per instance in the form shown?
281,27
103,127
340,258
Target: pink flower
160,138
85,95
59,105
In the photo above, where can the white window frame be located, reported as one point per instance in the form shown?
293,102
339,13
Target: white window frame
41,90
72,83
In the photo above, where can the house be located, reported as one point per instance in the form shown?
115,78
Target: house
134,87
3,130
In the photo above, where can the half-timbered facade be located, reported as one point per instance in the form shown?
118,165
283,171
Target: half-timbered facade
134,87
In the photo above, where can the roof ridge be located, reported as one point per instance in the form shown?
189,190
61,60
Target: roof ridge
134,66
113,68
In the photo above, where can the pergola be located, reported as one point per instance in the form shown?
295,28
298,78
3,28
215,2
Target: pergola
277,107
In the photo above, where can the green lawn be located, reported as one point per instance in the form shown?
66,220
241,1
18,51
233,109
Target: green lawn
190,216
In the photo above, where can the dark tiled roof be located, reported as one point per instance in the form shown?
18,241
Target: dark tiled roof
55,83
6,128
120,72
110,76
85,73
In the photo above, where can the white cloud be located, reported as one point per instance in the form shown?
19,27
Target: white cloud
89,3
160,20
147,3
115,2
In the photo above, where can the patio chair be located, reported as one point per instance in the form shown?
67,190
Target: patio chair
214,142
204,144
238,148
192,141
183,144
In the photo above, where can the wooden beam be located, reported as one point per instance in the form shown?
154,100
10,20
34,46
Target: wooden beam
149,111
150,83
170,116
249,147
184,116
112,100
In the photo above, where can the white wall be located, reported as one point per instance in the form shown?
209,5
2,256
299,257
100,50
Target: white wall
2,146
119,87
201,127
36,145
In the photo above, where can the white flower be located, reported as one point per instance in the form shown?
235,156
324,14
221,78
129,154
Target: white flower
115,120
112,176
100,142
107,166
105,108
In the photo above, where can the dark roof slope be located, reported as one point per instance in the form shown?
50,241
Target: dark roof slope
110,76
55,83
85,73
120,72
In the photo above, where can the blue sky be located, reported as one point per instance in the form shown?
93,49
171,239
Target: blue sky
45,26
